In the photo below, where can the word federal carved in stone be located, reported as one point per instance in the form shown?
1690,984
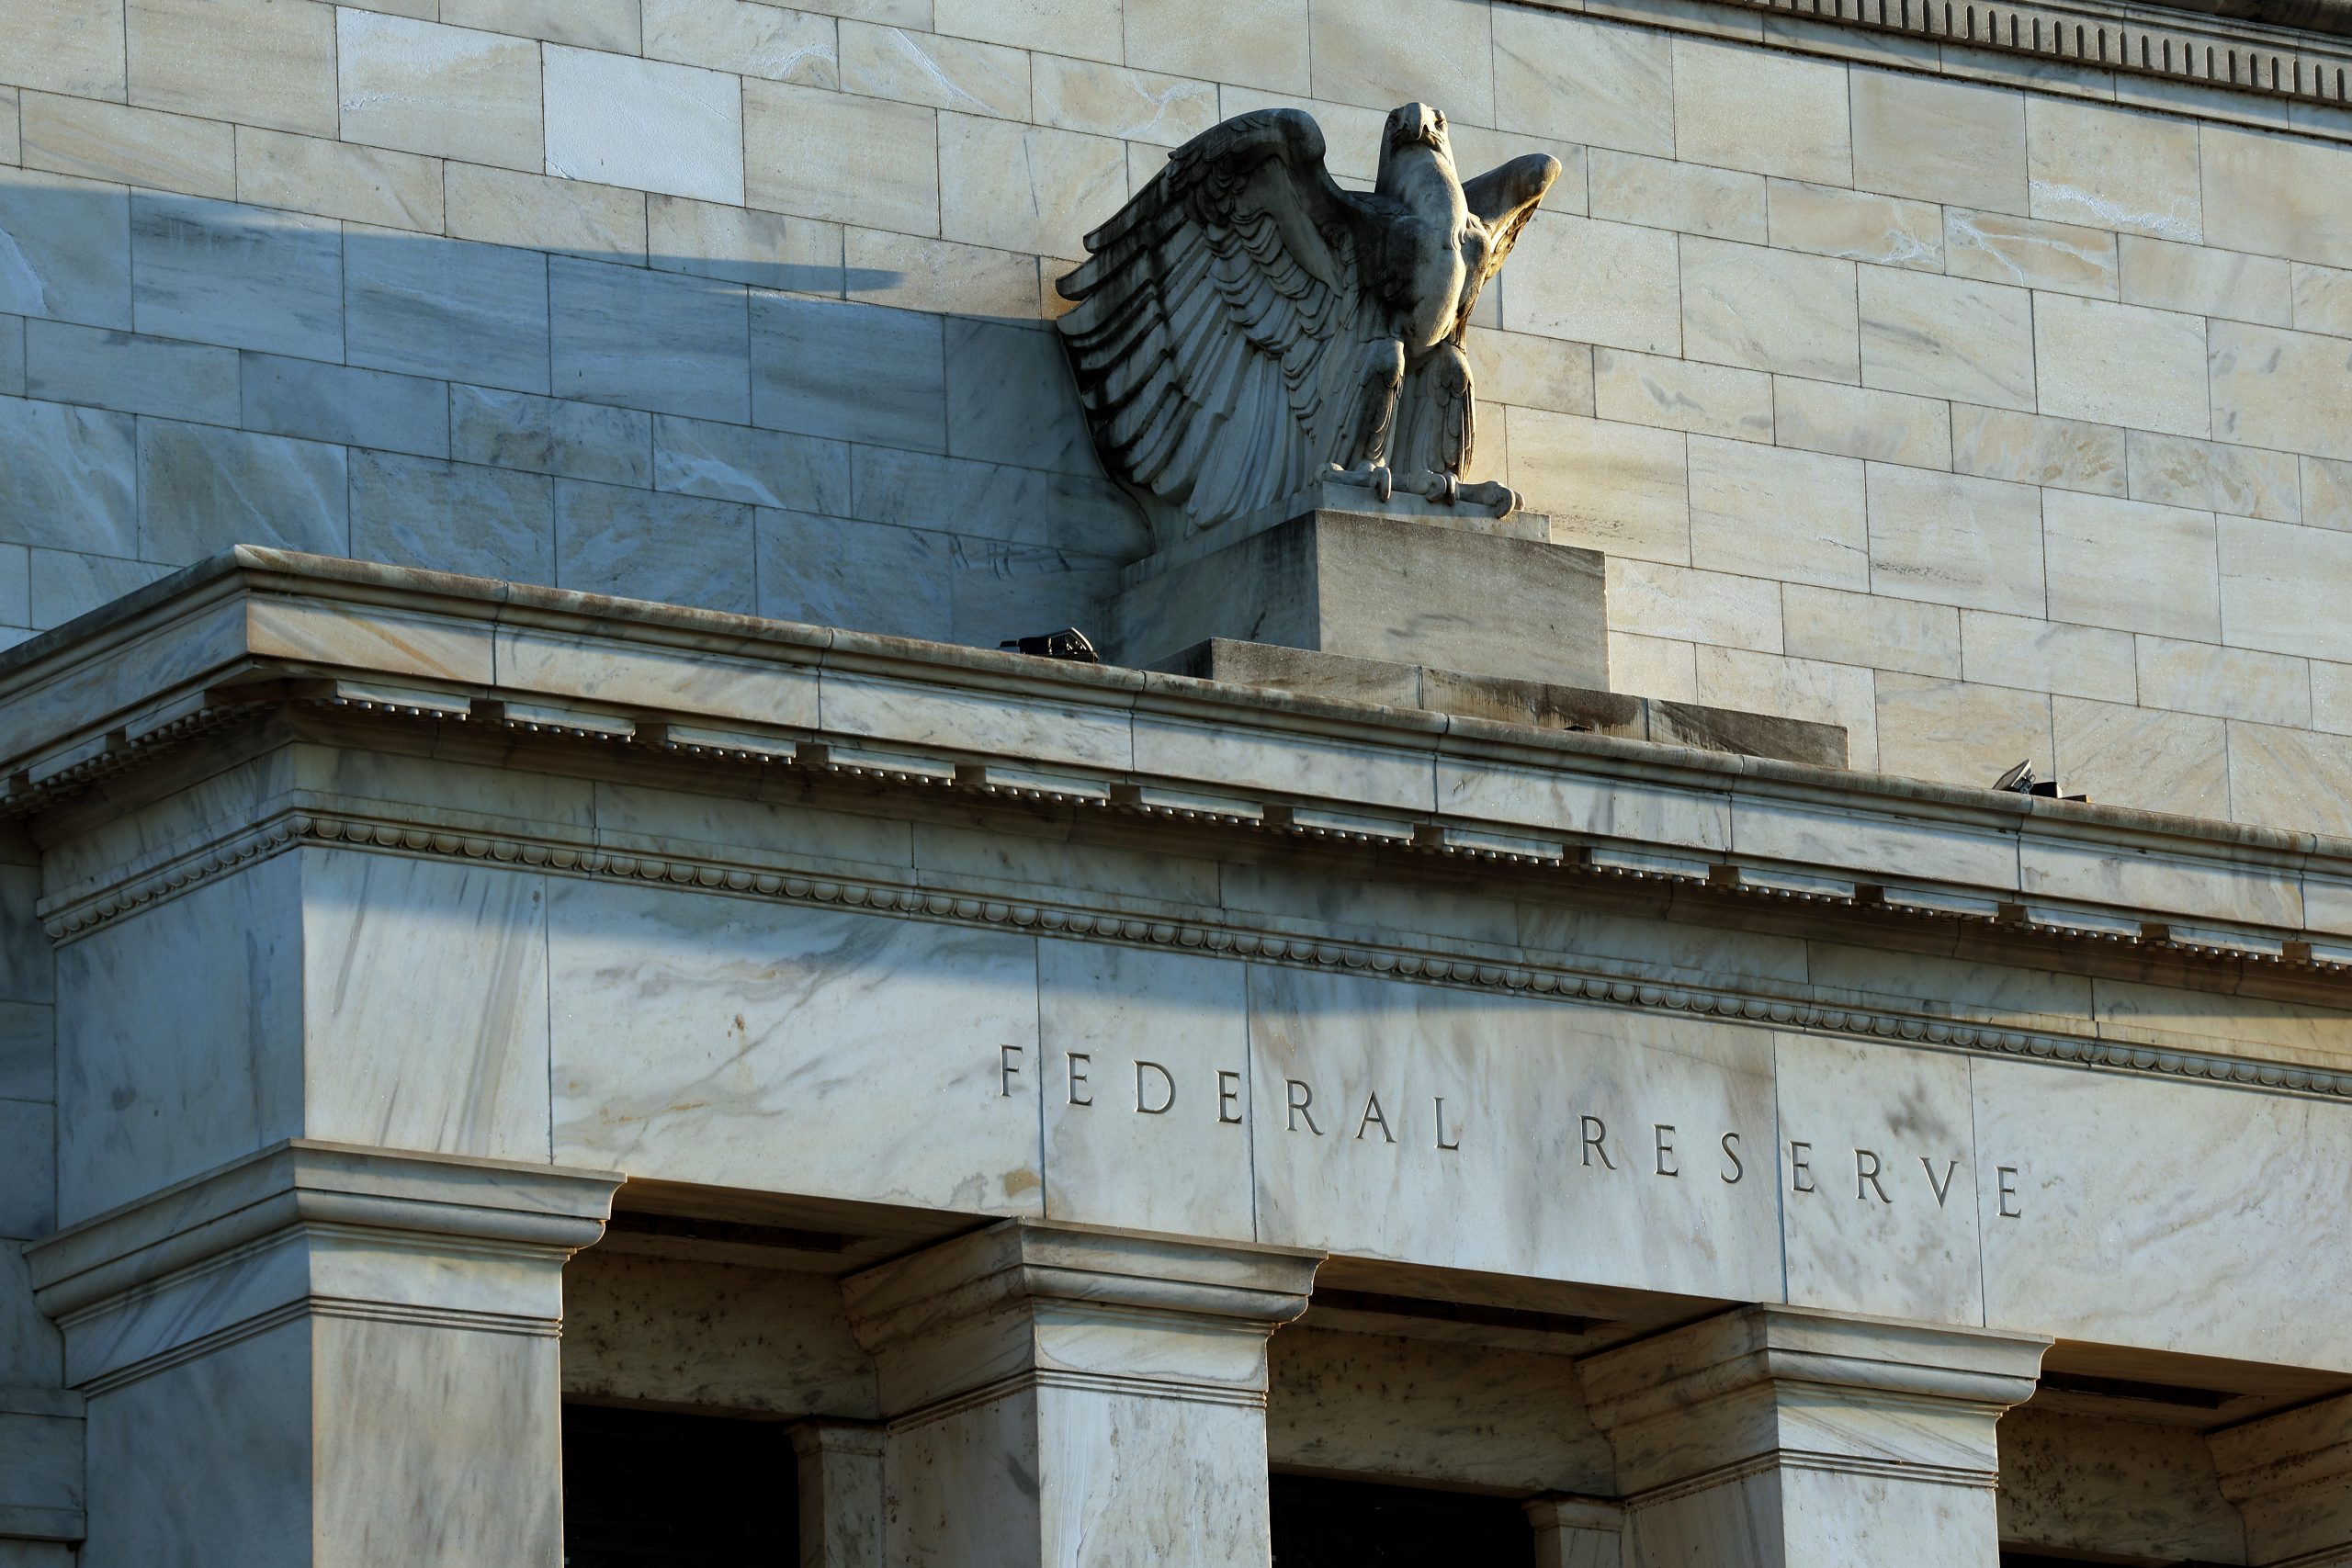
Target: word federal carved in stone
1244,327
1154,1089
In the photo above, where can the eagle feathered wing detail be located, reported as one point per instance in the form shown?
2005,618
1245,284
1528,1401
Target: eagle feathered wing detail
1204,312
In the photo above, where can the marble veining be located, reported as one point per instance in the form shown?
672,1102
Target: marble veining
708,1039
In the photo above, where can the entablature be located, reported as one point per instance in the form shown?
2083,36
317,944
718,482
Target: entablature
258,648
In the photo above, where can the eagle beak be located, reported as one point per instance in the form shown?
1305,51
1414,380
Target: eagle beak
1417,125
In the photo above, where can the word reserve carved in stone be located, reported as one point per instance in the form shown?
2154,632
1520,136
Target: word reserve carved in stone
1878,1177
1246,329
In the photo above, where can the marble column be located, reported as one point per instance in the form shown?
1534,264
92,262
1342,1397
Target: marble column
840,1494
325,1357
1577,1532
2291,1476
1777,1438
1077,1398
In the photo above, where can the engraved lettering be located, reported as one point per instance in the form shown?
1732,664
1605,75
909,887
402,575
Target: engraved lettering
2008,1174
1941,1188
1666,1150
1440,1127
1167,1083
1300,1097
1596,1141
1228,1097
1800,1173
1371,1116
1078,1061
1731,1153
1866,1174
1008,1066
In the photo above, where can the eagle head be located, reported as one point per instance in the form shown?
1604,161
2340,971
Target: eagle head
1417,125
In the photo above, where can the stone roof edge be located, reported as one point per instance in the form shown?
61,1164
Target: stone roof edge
2159,55
72,708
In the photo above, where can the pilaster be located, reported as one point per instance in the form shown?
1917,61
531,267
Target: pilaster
1577,1532
1077,1397
2291,1476
369,1339
840,1494
1775,1438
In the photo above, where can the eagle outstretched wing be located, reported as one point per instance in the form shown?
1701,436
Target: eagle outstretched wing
1503,201
1204,311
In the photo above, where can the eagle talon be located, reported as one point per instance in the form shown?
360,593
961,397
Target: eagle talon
1377,478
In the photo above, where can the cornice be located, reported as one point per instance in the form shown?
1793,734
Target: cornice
661,689
2180,57
1453,964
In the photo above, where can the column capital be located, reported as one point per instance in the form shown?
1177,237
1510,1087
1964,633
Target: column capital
1026,1301
2291,1476
1793,1387
318,1228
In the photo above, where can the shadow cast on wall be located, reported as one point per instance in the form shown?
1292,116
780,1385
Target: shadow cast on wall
715,423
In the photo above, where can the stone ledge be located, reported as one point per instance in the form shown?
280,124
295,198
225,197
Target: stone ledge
1535,704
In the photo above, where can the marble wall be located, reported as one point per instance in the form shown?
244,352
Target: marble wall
1989,409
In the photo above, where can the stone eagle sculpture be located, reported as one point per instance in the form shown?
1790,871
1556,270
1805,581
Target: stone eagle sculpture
1244,329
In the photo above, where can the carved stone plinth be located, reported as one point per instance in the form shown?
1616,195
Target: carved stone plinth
1775,1438
1082,1398
1407,590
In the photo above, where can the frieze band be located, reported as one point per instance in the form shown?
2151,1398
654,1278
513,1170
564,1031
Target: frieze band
1514,975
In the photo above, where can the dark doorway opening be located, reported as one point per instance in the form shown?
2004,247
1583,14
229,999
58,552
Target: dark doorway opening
1359,1524
646,1489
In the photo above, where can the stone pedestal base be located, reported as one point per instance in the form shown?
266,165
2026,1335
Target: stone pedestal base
1409,590
1082,1399
1774,1438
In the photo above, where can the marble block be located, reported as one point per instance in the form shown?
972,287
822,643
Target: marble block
1411,591
1090,1398
1406,1122
736,1043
